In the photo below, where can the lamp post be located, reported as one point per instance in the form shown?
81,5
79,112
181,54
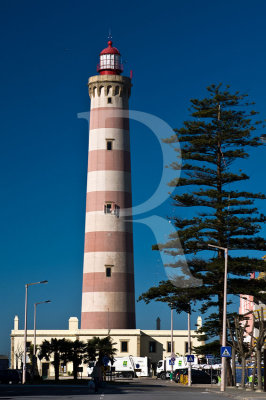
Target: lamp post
189,346
25,329
223,374
172,343
35,307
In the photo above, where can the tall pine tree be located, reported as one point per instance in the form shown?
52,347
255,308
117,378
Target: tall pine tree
221,130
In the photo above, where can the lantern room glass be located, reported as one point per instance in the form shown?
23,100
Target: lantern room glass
110,61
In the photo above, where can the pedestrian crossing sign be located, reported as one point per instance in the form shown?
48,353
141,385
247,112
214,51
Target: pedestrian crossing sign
190,358
226,351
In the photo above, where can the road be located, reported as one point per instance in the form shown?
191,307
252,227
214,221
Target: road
137,389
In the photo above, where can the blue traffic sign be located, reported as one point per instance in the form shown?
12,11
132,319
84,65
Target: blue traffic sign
209,356
226,351
190,358
171,362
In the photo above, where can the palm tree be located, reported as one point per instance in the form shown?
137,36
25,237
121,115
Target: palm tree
57,348
97,348
91,350
74,353
106,349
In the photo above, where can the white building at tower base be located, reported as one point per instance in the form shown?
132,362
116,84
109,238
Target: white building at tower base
155,344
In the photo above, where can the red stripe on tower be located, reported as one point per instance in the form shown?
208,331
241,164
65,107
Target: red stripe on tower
115,160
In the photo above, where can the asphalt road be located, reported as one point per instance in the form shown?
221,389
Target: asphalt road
136,389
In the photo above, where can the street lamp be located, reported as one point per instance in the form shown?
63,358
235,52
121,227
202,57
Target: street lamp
25,328
223,374
189,346
172,343
35,307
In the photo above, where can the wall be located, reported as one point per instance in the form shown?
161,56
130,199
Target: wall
138,342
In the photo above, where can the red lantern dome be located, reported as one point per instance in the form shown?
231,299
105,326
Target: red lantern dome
110,63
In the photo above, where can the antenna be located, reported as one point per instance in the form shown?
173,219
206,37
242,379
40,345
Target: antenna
109,34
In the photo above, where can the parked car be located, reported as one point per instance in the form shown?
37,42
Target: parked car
10,376
197,376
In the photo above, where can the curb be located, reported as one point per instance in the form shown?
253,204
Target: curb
236,396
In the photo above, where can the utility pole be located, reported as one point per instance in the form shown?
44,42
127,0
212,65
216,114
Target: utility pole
25,329
189,347
172,341
223,374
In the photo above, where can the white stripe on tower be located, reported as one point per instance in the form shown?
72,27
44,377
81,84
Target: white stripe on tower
108,302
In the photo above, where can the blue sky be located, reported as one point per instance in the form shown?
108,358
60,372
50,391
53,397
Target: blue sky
48,50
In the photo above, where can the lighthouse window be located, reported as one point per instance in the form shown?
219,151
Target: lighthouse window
108,208
108,272
117,210
109,144
109,100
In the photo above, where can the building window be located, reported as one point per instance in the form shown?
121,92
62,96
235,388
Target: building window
111,208
169,350
28,344
63,368
109,100
108,271
108,208
186,347
109,145
124,347
152,347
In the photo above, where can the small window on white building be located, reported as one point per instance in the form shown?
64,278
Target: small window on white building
152,347
28,344
109,100
169,350
124,347
186,347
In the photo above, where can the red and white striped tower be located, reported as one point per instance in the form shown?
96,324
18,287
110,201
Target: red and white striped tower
108,295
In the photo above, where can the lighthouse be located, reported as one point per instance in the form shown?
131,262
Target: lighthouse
108,294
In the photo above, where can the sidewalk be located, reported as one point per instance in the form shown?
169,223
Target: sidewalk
237,393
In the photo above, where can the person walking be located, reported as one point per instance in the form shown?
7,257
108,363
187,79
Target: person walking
97,376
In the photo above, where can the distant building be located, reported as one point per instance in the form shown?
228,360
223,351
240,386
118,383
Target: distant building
246,307
4,362
252,310
155,344
257,309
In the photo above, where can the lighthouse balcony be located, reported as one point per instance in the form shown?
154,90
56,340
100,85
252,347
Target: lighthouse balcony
110,66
